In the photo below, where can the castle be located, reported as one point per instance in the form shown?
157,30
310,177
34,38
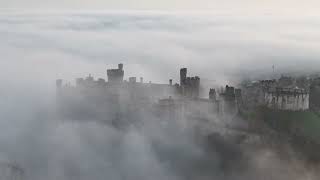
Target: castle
117,98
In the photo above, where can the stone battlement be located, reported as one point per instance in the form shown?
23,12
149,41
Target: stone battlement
287,91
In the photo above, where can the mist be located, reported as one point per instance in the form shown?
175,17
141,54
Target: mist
37,49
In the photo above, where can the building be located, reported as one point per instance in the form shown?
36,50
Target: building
115,75
110,100
287,99
230,100
212,94
281,94
315,94
190,86
119,102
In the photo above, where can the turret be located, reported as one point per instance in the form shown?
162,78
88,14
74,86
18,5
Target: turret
183,76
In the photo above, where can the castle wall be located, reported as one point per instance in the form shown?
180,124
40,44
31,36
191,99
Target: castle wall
293,102
281,95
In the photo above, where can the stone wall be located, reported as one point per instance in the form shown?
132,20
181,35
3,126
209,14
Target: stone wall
287,99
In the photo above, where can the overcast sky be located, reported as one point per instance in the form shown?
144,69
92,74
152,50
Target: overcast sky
155,46
266,6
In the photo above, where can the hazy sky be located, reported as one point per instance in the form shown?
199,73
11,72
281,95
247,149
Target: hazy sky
266,6
155,46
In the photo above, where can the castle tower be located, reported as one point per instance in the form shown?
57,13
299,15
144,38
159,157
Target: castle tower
212,94
116,75
132,79
189,86
120,66
228,103
197,86
183,76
